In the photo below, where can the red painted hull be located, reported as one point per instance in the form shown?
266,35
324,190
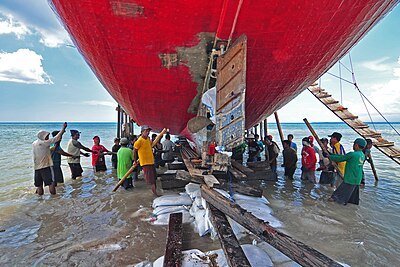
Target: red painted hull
290,44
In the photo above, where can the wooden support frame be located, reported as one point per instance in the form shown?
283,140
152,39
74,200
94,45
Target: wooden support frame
234,253
294,249
173,249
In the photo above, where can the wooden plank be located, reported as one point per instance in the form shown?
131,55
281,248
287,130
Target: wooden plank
324,96
294,249
361,126
173,250
236,173
389,144
350,117
394,155
331,102
240,167
234,253
210,180
241,189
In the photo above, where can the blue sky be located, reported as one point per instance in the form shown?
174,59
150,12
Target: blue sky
43,78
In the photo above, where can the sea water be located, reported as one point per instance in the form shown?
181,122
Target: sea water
86,225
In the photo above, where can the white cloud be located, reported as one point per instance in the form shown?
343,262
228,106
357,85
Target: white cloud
9,26
38,18
100,103
23,66
377,64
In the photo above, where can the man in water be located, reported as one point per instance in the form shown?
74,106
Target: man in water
308,161
143,149
260,145
348,191
43,164
125,159
289,159
292,144
56,152
337,149
368,157
115,149
74,148
98,161
325,165
273,152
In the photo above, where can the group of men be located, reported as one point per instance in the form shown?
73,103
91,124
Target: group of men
340,170
47,154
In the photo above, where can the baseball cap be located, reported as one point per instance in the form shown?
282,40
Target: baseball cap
74,132
269,137
145,127
124,141
360,142
250,136
336,135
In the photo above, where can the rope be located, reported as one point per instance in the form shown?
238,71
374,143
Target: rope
234,23
341,87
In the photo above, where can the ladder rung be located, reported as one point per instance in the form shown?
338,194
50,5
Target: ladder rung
395,155
331,102
361,126
340,109
350,117
384,144
324,96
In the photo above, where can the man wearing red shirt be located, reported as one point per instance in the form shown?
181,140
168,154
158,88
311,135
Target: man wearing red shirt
98,162
308,161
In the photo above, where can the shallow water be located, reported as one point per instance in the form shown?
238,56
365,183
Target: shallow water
87,225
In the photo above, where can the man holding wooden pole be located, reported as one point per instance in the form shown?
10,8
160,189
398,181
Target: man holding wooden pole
143,147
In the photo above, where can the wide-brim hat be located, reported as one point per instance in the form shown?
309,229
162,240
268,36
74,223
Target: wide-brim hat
144,128
124,141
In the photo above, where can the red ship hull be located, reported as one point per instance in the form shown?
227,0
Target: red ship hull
152,56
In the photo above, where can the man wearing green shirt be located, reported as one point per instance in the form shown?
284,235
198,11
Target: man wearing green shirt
348,191
124,162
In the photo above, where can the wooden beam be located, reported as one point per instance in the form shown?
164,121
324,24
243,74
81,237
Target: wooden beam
173,249
294,249
241,189
240,167
279,127
234,253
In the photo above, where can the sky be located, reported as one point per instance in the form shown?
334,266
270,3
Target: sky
44,78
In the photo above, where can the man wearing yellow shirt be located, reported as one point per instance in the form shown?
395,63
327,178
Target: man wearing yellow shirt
143,147
338,149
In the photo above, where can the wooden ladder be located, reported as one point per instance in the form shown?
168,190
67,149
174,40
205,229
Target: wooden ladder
383,145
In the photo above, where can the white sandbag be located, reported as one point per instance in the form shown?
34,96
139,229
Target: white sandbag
201,223
190,258
169,209
193,190
198,201
261,199
276,256
193,209
253,205
223,192
237,229
163,219
172,200
256,256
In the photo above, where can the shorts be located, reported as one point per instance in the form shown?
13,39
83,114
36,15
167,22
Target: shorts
149,174
76,170
58,174
308,175
45,175
99,168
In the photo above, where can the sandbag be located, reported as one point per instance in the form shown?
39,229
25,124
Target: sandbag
173,200
262,199
163,219
169,209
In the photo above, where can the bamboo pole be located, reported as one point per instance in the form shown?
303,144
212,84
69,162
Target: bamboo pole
371,162
334,164
279,127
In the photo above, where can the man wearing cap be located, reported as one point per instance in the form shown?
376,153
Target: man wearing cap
74,148
273,152
43,164
337,149
125,162
308,161
348,191
98,160
56,153
253,148
143,149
